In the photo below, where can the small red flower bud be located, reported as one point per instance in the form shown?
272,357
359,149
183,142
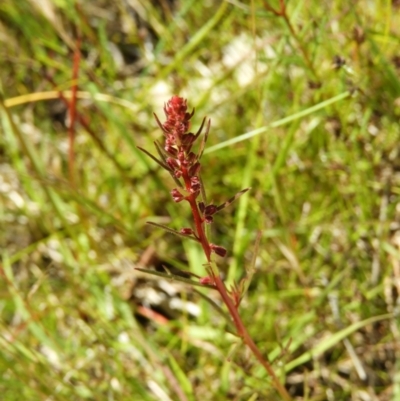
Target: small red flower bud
171,150
219,250
173,163
177,196
194,170
195,184
210,210
191,157
186,231
208,219
181,156
201,206
206,280
188,139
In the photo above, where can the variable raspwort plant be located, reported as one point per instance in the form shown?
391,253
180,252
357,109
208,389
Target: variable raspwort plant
177,157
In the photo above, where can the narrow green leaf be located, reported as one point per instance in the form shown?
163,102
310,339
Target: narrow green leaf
204,139
174,277
231,200
181,377
332,340
159,162
172,231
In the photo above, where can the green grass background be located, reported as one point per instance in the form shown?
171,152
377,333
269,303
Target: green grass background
316,97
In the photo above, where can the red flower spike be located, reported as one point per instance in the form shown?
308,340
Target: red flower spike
184,166
178,120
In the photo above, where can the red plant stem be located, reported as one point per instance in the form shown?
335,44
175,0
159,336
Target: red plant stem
83,121
198,221
282,12
220,286
72,110
199,228
243,333
300,44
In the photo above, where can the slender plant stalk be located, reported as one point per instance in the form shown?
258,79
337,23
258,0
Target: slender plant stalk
72,111
84,123
282,12
184,166
232,308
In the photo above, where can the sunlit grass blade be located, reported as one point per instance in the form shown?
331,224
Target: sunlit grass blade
332,340
279,123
